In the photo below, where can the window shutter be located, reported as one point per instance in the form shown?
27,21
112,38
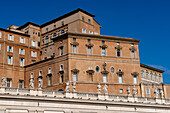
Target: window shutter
23,62
7,48
20,62
11,60
8,60
12,49
19,51
23,51
32,53
35,43
35,54
24,40
12,37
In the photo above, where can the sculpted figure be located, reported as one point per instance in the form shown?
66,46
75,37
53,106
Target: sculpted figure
31,83
135,91
40,82
74,86
67,87
162,93
99,88
128,91
3,81
156,93
104,66
105,89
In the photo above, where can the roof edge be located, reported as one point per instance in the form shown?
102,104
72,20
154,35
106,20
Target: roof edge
152,68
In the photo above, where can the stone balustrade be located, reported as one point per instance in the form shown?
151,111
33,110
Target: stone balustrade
78,95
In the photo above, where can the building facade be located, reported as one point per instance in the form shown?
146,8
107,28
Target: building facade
70,50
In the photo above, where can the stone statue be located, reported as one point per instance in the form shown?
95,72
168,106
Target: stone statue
156,93
40,83
74,86
105,89
162,93
67,87
128,91
99,88
31,83
3,81
135,91
104,66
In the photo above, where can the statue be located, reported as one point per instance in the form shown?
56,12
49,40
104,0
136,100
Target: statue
128,91
162,93
40,83
99,88
156,93
104,66
67,87
3,81
135,91
105,89
31,83
74,86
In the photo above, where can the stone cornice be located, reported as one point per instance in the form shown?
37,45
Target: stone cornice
90,71
120,73
75,70
105,72
132,49
74,43
118,47
89,45
103,46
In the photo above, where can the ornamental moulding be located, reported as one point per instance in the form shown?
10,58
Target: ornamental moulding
104,72
118,47
120,73
132,49
75,70
49,74
89,45
74,43
103,46
61,72
135,73
39,77
90,71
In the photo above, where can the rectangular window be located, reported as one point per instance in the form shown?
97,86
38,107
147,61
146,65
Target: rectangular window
33,54
147,91
103,52
74,76
0,35
74,39
61,78
62,31
89,21
49,70
9,49
89,40
40,73
118,43
103,41
62,23
34,43
46,29
60,51
132,54
61,67
74,49
121,90
54,35
90,32
54,26
22,40
21,61
10,60
89,51
49,80
118,53
20,83
9,82
11,37
83,30
21,51
120,79
135,79
104,78
46,40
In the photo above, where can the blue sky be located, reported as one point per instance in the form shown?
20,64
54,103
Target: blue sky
147,20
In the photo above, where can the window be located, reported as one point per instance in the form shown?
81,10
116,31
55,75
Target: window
74,49
0,35
20,83
40,73
156,78
83,30
34,43
89,21
104,78
118,53
38,44
118,43
49,70
121,90
54,26
46,29
62,23
11,37
10,60
89,40
120,79
103,41
49,80
132,44
90,77
74,39
74,76
135,79
21,61
61,78
46,40
147,91
142,74
54,35
112,70
9,49
132,54
60,51
97,68
9,82
22,40
90,32
62,31
83,18
61,67
21,51
147,75
152,76
33,54
103,52
160,78
89,50
33,61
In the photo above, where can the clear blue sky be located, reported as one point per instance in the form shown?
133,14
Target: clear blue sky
147,20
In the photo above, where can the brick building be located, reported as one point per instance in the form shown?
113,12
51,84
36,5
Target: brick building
70,49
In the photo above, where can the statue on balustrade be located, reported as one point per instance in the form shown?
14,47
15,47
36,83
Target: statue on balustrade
99,88
128,91
40,83
135,91
105,89
162,93
74,86
67,87
156,93
3,81
31,83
